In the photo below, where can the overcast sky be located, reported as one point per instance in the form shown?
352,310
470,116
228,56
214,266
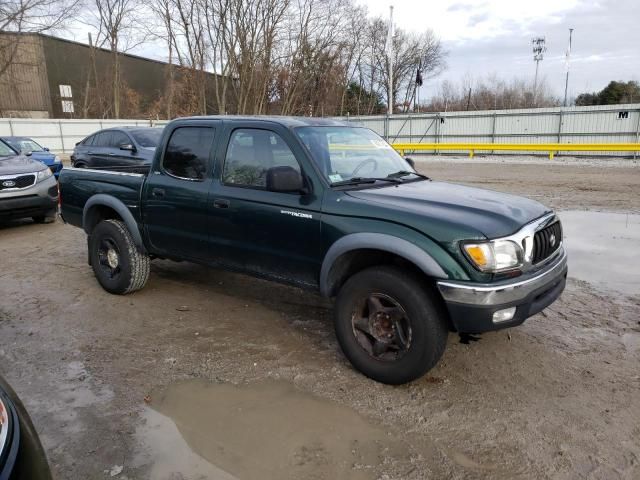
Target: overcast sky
494,36
485,37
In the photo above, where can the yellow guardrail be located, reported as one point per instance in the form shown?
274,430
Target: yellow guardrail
551,148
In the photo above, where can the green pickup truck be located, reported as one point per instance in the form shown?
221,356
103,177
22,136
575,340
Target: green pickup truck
330,207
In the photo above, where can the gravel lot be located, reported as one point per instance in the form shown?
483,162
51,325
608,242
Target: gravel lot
208,374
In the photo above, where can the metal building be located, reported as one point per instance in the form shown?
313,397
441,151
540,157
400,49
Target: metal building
47,76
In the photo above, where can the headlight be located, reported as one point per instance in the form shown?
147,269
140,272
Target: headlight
56,159
494,256
44,174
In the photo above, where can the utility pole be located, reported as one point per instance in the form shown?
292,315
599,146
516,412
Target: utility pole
567,59
85,103
539,48
389,52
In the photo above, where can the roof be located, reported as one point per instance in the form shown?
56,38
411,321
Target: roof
130,128
282,120
106,50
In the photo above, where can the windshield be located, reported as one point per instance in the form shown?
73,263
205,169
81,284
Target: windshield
25,145
345,153
5,150
147,138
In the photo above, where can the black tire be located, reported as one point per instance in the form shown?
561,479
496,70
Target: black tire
424,325
125,272
49,217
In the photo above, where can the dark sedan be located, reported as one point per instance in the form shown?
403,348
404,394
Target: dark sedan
21,454
130,148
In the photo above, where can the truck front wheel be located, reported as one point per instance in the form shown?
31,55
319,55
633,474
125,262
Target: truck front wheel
389,326
117,264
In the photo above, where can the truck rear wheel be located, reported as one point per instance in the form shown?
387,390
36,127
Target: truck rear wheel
117,264
389,326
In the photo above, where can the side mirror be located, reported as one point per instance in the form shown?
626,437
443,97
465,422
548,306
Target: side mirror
26,152
46,149
411,162
128,146
285,180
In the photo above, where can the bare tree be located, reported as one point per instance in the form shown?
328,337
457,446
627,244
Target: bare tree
410,52
490,93
293,57
117,28
163,30
33,16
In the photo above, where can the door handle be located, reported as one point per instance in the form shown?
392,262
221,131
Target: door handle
112,154
221,203
157,192
90,153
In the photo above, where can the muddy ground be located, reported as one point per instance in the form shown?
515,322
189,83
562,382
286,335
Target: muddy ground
207,374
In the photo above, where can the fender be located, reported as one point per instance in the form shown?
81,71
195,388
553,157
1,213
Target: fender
102,199
378,241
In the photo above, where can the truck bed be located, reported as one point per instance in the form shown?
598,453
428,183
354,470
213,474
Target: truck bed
77,185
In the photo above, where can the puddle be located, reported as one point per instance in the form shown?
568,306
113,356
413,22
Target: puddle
264,430
604,249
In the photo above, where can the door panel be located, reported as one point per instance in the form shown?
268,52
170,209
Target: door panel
98,152
175,197
117,157
267,233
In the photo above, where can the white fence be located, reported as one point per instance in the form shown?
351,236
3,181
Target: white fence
599,124
62,135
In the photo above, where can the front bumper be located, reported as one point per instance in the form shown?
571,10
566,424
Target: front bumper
471,306
40,199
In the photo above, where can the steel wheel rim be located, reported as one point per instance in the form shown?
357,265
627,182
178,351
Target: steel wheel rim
381,327
109,257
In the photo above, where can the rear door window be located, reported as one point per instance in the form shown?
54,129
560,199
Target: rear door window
187,153
103,139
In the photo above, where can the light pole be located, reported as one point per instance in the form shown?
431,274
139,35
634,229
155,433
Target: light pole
567,59
389,52
539,48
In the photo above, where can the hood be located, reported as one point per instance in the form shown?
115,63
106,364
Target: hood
19,164
47,157
493,214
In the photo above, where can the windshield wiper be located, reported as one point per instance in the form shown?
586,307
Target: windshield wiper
404,173
360,180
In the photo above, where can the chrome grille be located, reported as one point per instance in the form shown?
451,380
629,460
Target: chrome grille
546,241
16,182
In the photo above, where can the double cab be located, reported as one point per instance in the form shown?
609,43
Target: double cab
334,208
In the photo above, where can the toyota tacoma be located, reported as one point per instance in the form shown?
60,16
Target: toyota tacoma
330,207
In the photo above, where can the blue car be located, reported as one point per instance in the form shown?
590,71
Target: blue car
28,146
